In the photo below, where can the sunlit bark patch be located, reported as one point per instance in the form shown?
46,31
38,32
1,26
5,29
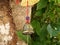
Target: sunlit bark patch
7,30
4,34
4,29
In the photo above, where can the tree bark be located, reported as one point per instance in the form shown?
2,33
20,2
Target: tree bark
12,18
19,14
7,27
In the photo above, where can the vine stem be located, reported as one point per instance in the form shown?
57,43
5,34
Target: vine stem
27,39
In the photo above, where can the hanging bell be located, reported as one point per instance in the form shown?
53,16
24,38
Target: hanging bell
27,29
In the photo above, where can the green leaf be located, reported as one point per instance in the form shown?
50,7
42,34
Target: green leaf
42,4
59,1
39,12
52,16
52,0
43,33
50,30
36,26
53,31
35,43
58,9
57,28
21,36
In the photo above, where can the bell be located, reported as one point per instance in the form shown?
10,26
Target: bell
27,29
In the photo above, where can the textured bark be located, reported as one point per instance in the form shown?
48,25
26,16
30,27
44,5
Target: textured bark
5,17
19,14
14,15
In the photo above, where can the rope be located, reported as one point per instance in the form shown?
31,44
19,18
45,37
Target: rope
27,12
27,9
27,19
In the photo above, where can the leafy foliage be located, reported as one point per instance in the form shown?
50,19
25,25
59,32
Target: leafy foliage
46,23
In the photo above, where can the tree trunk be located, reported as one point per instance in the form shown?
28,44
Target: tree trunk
7,27
19,14
11,15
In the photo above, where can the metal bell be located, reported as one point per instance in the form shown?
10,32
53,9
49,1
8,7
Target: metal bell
27,29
